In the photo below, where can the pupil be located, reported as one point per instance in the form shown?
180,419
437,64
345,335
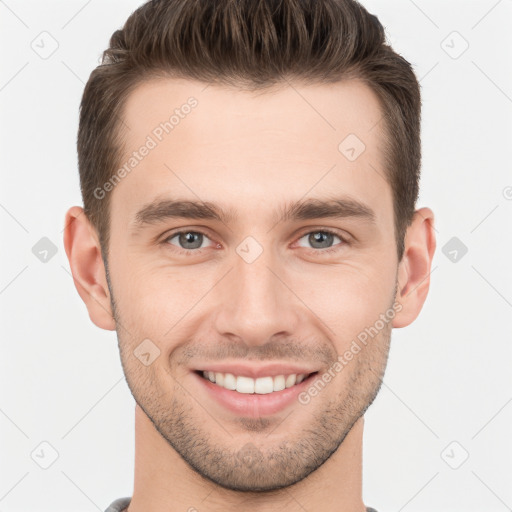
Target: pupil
321,237
191,238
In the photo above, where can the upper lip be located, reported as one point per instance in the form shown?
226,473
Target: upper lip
267,370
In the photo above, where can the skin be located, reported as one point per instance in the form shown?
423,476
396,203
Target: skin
251,153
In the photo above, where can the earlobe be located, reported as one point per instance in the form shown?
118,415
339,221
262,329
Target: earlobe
84,254
415,268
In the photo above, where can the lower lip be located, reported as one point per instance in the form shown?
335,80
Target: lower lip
254,405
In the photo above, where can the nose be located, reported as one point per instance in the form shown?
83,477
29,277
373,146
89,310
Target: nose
257,301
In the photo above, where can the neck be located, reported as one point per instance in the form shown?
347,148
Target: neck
163,481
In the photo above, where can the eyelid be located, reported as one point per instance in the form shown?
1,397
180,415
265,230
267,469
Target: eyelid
345,238
324,229
202,231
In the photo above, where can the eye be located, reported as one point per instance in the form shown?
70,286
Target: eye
193,242
188,241
321,240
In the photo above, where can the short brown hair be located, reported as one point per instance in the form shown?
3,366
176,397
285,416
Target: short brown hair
250,45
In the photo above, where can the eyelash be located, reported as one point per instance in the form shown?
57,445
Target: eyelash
189,252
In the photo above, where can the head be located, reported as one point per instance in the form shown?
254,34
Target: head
249,172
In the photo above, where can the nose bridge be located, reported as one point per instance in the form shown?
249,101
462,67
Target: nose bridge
256,304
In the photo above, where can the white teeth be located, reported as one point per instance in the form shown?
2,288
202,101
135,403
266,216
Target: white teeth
244,384
229,381
279,383
248,385
264,385
290,380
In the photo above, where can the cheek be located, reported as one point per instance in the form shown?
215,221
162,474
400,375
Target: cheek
349,298
153,299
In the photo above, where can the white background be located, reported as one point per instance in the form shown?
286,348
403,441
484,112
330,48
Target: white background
448,377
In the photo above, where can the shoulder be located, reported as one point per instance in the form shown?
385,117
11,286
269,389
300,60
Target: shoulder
119,505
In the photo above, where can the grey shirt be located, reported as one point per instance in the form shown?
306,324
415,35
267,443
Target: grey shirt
120,504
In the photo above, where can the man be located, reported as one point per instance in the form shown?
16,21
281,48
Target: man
249,171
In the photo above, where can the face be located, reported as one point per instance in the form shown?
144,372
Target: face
291,258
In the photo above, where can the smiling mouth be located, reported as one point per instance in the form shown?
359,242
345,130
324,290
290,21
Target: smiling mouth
260,386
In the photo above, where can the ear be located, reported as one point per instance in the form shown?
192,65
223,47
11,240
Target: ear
84,254
414,268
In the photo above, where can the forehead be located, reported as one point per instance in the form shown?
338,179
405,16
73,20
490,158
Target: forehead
207,142
330,110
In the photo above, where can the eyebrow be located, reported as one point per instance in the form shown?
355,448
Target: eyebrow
161,210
